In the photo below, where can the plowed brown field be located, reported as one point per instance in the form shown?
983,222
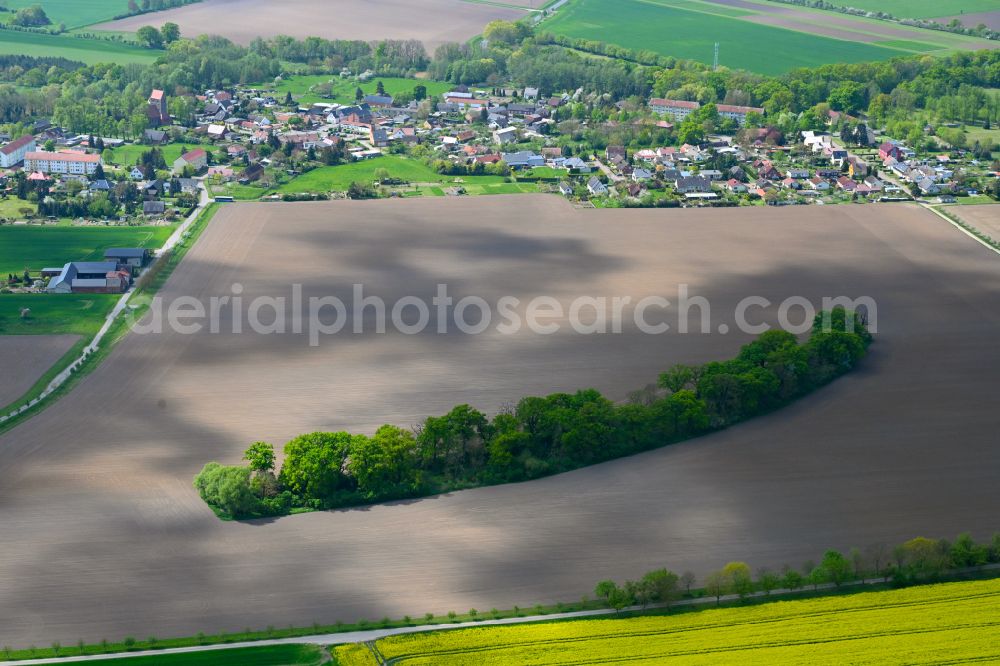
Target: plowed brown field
25,358
430,21
103,535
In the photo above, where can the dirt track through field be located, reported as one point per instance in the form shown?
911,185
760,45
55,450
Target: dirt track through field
431,21
103,535
25,358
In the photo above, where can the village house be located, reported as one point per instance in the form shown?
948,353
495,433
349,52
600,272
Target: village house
405,134
928,186
769,171
640,175
889,149
131,257
616,153
99,185
381,101
692,184
524,159
505,135
874,184
735,186
819,184
846,184
188,185
596,187
378,137
635,190
154,137
197,159
153,208
856,167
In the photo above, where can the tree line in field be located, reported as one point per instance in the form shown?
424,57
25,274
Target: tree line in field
539,435
918,560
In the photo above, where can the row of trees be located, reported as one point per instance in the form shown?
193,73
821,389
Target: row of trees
539,435
916,561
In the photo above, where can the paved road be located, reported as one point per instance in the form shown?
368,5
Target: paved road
612,176
376,634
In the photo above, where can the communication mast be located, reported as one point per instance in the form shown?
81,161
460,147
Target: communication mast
715,61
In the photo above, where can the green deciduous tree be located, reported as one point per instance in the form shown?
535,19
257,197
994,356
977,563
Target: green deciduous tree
838,569
149,37
170,32
227,488
315,464
661,586
385,465
260,455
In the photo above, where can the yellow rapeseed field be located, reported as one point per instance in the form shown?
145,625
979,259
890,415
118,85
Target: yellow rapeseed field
945,623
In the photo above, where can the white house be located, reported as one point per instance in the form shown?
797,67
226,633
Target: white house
505,135
14,152
676,108
69,162
738,113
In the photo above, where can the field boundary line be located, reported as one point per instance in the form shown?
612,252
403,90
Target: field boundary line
63,376
362,636
961,227
712,626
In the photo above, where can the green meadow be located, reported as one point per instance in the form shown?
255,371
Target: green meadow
420,179
688,29
342,91
51,314
73,13
128,155
34,247
87,51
